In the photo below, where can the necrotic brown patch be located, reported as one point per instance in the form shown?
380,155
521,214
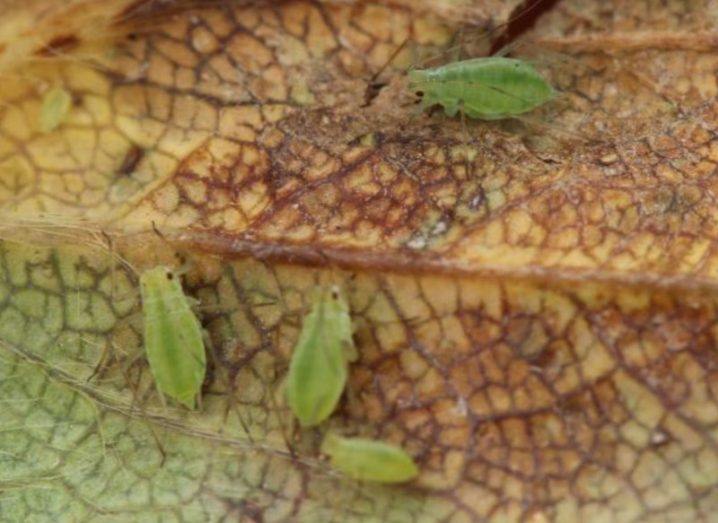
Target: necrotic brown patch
58,45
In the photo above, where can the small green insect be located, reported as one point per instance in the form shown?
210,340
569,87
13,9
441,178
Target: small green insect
56,104
369,460
320,362
173,336
490,88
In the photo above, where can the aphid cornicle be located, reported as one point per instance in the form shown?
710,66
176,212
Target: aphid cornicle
369,460
319,366
173,336
491,88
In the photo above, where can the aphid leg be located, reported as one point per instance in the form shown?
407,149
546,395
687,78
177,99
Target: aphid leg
233,405
113,275
460,46
101,363
354,492
416,112
157,231
533,121
199,401
243,422
135,400
340,503
222,374
160,447
352,395
468,166
278,409
98,418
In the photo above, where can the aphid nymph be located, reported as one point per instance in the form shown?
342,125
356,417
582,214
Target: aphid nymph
491,88
56,105
173,336
369,460
318,369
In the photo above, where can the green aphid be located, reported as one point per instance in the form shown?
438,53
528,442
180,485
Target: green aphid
369,460
173,336
56,105
320,362
490,88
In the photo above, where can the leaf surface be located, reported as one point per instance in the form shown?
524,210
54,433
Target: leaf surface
534,302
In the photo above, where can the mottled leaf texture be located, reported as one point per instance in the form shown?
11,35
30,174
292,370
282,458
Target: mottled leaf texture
534,302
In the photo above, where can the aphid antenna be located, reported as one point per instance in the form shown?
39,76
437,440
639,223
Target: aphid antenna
372,89
185,266
533,121
485,35
280,418
354,492
643,80
551,58
98,419
63,227
102,362
114,256
89,59
330,265
391,58
232,404
145,417
468,165
41,84
148,11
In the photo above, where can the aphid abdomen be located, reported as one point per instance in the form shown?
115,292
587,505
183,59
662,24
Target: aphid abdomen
485,88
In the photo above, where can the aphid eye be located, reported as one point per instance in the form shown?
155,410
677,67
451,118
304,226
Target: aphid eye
420,94
170,276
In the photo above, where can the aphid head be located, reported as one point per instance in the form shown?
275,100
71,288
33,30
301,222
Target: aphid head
417,81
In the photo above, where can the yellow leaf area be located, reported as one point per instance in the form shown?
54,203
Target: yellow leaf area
533,301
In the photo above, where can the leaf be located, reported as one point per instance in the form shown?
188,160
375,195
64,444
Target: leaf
533,301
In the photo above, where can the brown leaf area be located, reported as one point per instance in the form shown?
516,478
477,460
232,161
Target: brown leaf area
534,300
